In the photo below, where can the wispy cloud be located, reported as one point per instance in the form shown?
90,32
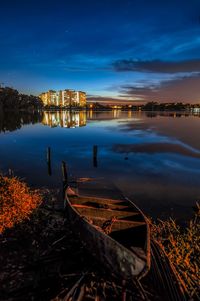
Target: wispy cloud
157,66
184,89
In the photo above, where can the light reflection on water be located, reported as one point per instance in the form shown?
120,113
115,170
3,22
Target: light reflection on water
153,157
66,119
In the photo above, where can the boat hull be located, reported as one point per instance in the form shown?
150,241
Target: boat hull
119,260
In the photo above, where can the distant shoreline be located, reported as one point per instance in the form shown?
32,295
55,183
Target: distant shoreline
29,111
94,109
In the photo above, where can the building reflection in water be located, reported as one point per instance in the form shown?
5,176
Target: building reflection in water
66,119
129,113
116,113
11,121
73,119
90,114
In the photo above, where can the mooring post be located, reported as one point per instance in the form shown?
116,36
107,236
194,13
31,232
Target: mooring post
64,172
65,179
48,155
10,173
49,161
95,151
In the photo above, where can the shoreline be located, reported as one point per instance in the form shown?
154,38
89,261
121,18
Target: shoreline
52,109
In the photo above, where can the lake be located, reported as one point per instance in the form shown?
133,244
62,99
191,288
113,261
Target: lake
152,157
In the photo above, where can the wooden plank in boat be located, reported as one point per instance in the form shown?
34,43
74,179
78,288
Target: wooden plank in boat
99,204
118,224
97,200
100,212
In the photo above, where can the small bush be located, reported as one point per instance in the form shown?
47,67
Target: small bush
17,201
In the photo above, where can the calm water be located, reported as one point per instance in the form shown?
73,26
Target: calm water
154,158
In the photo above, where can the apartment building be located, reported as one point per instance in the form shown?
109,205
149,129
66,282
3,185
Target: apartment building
64,98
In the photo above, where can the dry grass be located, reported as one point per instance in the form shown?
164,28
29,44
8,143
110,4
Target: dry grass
183,248
17,201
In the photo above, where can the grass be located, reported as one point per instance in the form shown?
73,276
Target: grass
17,201
183,249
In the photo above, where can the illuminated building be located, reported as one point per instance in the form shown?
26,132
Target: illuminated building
82,98
44,98
64,98
196,110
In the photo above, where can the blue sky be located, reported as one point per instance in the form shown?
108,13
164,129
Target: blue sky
125,50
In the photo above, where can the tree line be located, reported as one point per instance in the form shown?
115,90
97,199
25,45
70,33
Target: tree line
179,106
149,106
11,99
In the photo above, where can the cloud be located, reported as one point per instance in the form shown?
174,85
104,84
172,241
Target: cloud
185,89
157,66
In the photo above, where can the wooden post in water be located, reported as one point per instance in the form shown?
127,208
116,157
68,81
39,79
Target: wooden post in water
95,151
48,155
10,173
64,172
65,179
49,161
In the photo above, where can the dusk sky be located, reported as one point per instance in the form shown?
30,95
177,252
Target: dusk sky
129,50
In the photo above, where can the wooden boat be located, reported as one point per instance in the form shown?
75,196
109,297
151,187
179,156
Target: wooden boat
114,231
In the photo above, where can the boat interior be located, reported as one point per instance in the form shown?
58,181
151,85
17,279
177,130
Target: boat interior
120,219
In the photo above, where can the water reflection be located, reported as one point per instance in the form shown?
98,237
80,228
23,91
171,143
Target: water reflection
66,119
153,148
11,121
116,114
154,160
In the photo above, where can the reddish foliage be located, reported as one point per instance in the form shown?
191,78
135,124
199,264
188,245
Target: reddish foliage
17,201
